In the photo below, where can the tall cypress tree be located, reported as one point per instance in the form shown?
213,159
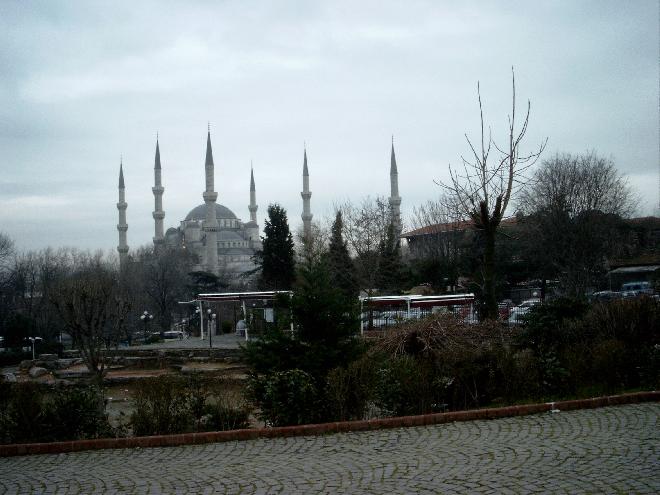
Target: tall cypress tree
276,259
340,265
390,269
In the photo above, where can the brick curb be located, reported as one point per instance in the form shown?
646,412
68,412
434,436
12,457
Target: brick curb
324,428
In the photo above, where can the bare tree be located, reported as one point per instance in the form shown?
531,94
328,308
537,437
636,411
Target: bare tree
312,249
577,184
93,309
6,249
574,206
365,229
485,185
164,280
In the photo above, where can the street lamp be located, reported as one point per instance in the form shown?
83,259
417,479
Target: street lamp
209,327
34,340
146,318
198,312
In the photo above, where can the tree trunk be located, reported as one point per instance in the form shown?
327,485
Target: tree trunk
489,299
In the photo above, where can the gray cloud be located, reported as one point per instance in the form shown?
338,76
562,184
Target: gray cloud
85,82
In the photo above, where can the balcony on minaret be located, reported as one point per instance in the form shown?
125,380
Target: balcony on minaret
158,215
158,189
122,205
122,228
210,196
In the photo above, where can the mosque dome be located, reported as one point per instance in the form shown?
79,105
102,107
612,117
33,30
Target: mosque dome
221,211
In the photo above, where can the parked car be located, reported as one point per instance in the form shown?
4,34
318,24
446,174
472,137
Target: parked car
636,289
173,334
605,295
517,312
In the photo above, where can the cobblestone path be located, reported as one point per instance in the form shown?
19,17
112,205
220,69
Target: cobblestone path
609,450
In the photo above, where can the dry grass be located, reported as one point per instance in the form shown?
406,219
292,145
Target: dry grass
441,333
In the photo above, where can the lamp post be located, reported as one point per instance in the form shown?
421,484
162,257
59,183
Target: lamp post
146,317
34,341
210,326
198,312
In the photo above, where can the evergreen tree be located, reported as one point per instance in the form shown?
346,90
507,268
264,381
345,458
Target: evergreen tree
276,259
340,265
390,268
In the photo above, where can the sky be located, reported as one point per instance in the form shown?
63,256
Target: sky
84,84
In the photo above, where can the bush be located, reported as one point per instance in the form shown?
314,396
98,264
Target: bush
222,416
77,413
169,404
227,326
13,356
286,398
161,407
547,325
32,413
407,385
349,391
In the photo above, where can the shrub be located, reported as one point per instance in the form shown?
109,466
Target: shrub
169,404
220,416
286,397
32,413
350,390
13,356
406,385
77,413
161,407
546,325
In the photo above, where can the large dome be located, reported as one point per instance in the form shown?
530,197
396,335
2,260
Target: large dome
199,212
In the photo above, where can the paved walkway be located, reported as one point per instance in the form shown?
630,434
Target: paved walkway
225,341
609,450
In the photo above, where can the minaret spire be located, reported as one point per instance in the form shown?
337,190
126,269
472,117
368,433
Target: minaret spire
306,195
158,190
253,197
122,226
395,199
210,225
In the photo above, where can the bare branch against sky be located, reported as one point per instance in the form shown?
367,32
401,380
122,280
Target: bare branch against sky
85,82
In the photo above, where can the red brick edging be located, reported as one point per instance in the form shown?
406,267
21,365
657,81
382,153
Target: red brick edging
318,429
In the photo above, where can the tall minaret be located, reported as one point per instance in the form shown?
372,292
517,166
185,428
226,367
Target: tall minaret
252,226
395,199
122,226
253,198
158,190
306,195
210,225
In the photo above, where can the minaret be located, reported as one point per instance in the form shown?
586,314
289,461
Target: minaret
306,195
122,226
158,190
253,198
210,225
252,227
395,199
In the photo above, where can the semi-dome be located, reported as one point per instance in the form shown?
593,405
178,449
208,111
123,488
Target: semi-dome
199,212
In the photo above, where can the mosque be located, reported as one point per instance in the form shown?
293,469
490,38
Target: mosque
219,241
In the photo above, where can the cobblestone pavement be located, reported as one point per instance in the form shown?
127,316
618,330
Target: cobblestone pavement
609,450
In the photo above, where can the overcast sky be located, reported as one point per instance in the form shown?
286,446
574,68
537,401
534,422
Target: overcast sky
82,83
